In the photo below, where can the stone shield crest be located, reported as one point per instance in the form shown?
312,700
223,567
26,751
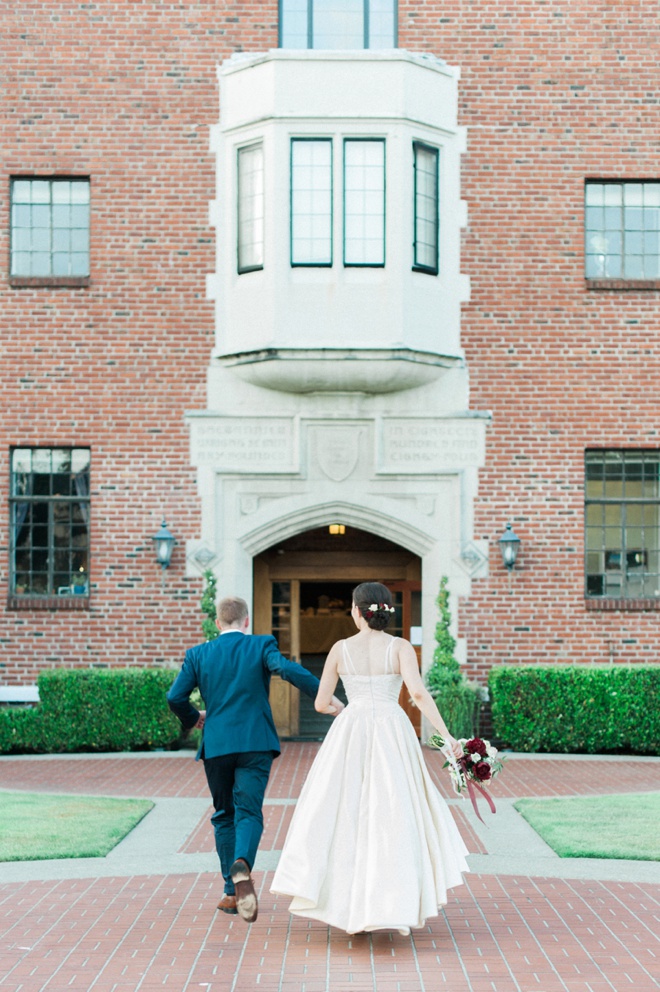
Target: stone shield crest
337,451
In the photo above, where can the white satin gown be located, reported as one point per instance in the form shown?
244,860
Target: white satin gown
372,844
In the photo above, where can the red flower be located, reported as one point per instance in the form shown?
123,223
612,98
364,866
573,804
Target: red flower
482,771
476,746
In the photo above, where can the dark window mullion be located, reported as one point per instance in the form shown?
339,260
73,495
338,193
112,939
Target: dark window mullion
51,544
365,23
310,23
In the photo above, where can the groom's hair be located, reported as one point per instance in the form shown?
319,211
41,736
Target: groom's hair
231,610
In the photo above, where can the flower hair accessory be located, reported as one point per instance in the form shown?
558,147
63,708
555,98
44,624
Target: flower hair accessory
378,608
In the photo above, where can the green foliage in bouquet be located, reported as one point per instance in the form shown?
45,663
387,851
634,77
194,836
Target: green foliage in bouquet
568,709
209,628
456,698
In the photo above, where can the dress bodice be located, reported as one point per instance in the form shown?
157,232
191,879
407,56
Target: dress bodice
371,689
380,687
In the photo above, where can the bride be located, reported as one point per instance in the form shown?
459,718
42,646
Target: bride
372,844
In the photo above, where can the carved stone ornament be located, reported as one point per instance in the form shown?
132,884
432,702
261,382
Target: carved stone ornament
472,560
249,504
202,557
337,451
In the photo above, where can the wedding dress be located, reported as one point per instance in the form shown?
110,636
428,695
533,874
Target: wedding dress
372,844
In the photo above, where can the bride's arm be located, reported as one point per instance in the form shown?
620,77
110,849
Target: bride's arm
326,701
421,697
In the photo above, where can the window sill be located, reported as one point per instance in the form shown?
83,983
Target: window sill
606,605
47,602
622,284
49,282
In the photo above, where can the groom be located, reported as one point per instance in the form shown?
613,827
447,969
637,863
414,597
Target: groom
239,740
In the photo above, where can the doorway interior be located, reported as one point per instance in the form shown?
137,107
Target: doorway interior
302,595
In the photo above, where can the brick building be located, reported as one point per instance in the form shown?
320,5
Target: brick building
269,273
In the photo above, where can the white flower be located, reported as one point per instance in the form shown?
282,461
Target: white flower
491,751
374,606
475,758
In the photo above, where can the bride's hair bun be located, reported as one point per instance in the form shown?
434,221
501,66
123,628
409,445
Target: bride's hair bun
374,602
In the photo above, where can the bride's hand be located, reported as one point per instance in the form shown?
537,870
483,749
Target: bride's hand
335,707
453,746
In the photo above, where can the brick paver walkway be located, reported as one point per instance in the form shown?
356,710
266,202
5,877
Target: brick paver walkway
498,933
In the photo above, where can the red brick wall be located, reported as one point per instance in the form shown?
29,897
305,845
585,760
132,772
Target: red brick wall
123,92
551,93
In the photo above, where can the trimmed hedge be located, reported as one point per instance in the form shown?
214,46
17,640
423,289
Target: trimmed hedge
588,709
457,702
94,710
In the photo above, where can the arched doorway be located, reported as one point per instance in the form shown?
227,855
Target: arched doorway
302,595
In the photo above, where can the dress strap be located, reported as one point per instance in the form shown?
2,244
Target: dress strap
389,667
348,664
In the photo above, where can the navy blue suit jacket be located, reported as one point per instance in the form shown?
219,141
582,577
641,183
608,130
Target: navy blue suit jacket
233,674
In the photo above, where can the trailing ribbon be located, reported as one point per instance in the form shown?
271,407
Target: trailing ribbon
471,786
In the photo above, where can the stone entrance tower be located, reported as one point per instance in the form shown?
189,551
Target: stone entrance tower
337,390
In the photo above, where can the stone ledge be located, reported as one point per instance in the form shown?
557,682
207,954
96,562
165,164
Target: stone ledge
48,602
626,605
49,282
622,284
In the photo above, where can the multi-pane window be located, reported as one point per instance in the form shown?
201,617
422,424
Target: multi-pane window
426,204
338,24
250,208
364,202
49,516
311,201
50,227
622,230
622,521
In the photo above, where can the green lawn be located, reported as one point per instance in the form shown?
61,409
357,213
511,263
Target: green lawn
598,826
35,827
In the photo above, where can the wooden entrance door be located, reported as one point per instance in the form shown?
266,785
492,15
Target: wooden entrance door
408,624
278,576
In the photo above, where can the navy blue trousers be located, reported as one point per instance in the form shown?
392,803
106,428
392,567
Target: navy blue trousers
237,783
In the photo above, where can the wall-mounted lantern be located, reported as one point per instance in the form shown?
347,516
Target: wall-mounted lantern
164,542
509,545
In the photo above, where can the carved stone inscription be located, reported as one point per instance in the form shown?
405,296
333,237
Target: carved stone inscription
411,445
244,444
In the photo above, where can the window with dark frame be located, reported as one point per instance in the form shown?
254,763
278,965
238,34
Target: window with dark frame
50,227
311,201
426,208
49,508
338,24
622,524
250,221
364,202
622,230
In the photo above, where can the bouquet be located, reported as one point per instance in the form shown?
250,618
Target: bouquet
479,764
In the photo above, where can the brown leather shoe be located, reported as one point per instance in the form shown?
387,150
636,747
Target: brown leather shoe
246,897
228,905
